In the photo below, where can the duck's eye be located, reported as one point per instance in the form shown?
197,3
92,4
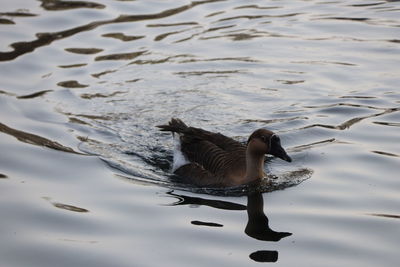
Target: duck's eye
264,138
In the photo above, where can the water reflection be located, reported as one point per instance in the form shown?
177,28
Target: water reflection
66,206
72,65
33,95
6,21
350,122
209,224
122,37
391,216
120,56
56,5
322,73
264,256
72,84
84,51
197,201
44,39
34,139
69,207
17,14
257,226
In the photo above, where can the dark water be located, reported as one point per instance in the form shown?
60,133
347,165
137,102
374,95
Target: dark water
84,173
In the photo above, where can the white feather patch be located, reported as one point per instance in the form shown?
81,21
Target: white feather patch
179,158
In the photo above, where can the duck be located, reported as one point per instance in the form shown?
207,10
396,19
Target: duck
207,159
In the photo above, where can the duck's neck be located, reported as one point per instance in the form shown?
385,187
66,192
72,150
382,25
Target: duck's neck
254,166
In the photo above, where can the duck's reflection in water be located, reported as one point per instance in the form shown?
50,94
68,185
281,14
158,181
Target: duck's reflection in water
257,225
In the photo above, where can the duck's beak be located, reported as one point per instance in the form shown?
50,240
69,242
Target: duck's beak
278,151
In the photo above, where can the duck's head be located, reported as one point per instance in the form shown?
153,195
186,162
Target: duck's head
263,141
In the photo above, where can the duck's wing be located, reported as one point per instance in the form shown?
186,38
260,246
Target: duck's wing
212,157
193,173
213,152
193,134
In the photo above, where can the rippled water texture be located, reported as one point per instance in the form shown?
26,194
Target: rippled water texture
85,174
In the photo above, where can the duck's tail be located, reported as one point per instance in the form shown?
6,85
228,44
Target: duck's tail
174,125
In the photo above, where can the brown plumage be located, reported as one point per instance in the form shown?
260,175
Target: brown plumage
217,160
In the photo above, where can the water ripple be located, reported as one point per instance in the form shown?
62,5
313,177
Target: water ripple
43,39
35,139
94,77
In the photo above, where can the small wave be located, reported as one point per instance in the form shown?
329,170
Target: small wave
149,176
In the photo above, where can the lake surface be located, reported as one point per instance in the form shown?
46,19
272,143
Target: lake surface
85,174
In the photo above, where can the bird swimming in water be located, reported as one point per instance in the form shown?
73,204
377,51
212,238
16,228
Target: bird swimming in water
206,159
